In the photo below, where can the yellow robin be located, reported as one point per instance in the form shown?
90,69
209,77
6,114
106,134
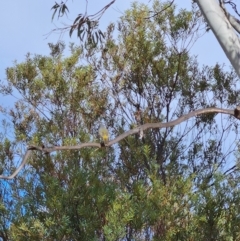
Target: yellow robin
103,132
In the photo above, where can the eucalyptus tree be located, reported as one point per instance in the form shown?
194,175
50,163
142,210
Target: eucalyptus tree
178,182
224,25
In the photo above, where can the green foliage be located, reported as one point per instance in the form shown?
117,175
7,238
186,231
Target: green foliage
169,184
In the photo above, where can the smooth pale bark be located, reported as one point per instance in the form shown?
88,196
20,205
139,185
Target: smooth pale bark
222,30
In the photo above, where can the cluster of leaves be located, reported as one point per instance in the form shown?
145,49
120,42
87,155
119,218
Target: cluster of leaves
173,184
87,26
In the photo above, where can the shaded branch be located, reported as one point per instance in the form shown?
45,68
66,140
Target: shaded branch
233,21
233,5
235,113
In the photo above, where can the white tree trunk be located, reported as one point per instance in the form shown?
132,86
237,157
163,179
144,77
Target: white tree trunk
222,30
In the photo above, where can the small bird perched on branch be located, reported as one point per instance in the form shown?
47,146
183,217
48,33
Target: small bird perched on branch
138,115
103,132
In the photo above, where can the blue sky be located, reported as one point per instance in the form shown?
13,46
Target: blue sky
24,25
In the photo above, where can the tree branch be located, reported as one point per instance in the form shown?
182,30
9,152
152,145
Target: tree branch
157,13
234,21
235,113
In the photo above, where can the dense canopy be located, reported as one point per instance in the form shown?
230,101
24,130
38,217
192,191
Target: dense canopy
178,183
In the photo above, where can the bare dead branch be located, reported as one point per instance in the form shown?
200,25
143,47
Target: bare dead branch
234,6
155,14
27,155
233,21
235,113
